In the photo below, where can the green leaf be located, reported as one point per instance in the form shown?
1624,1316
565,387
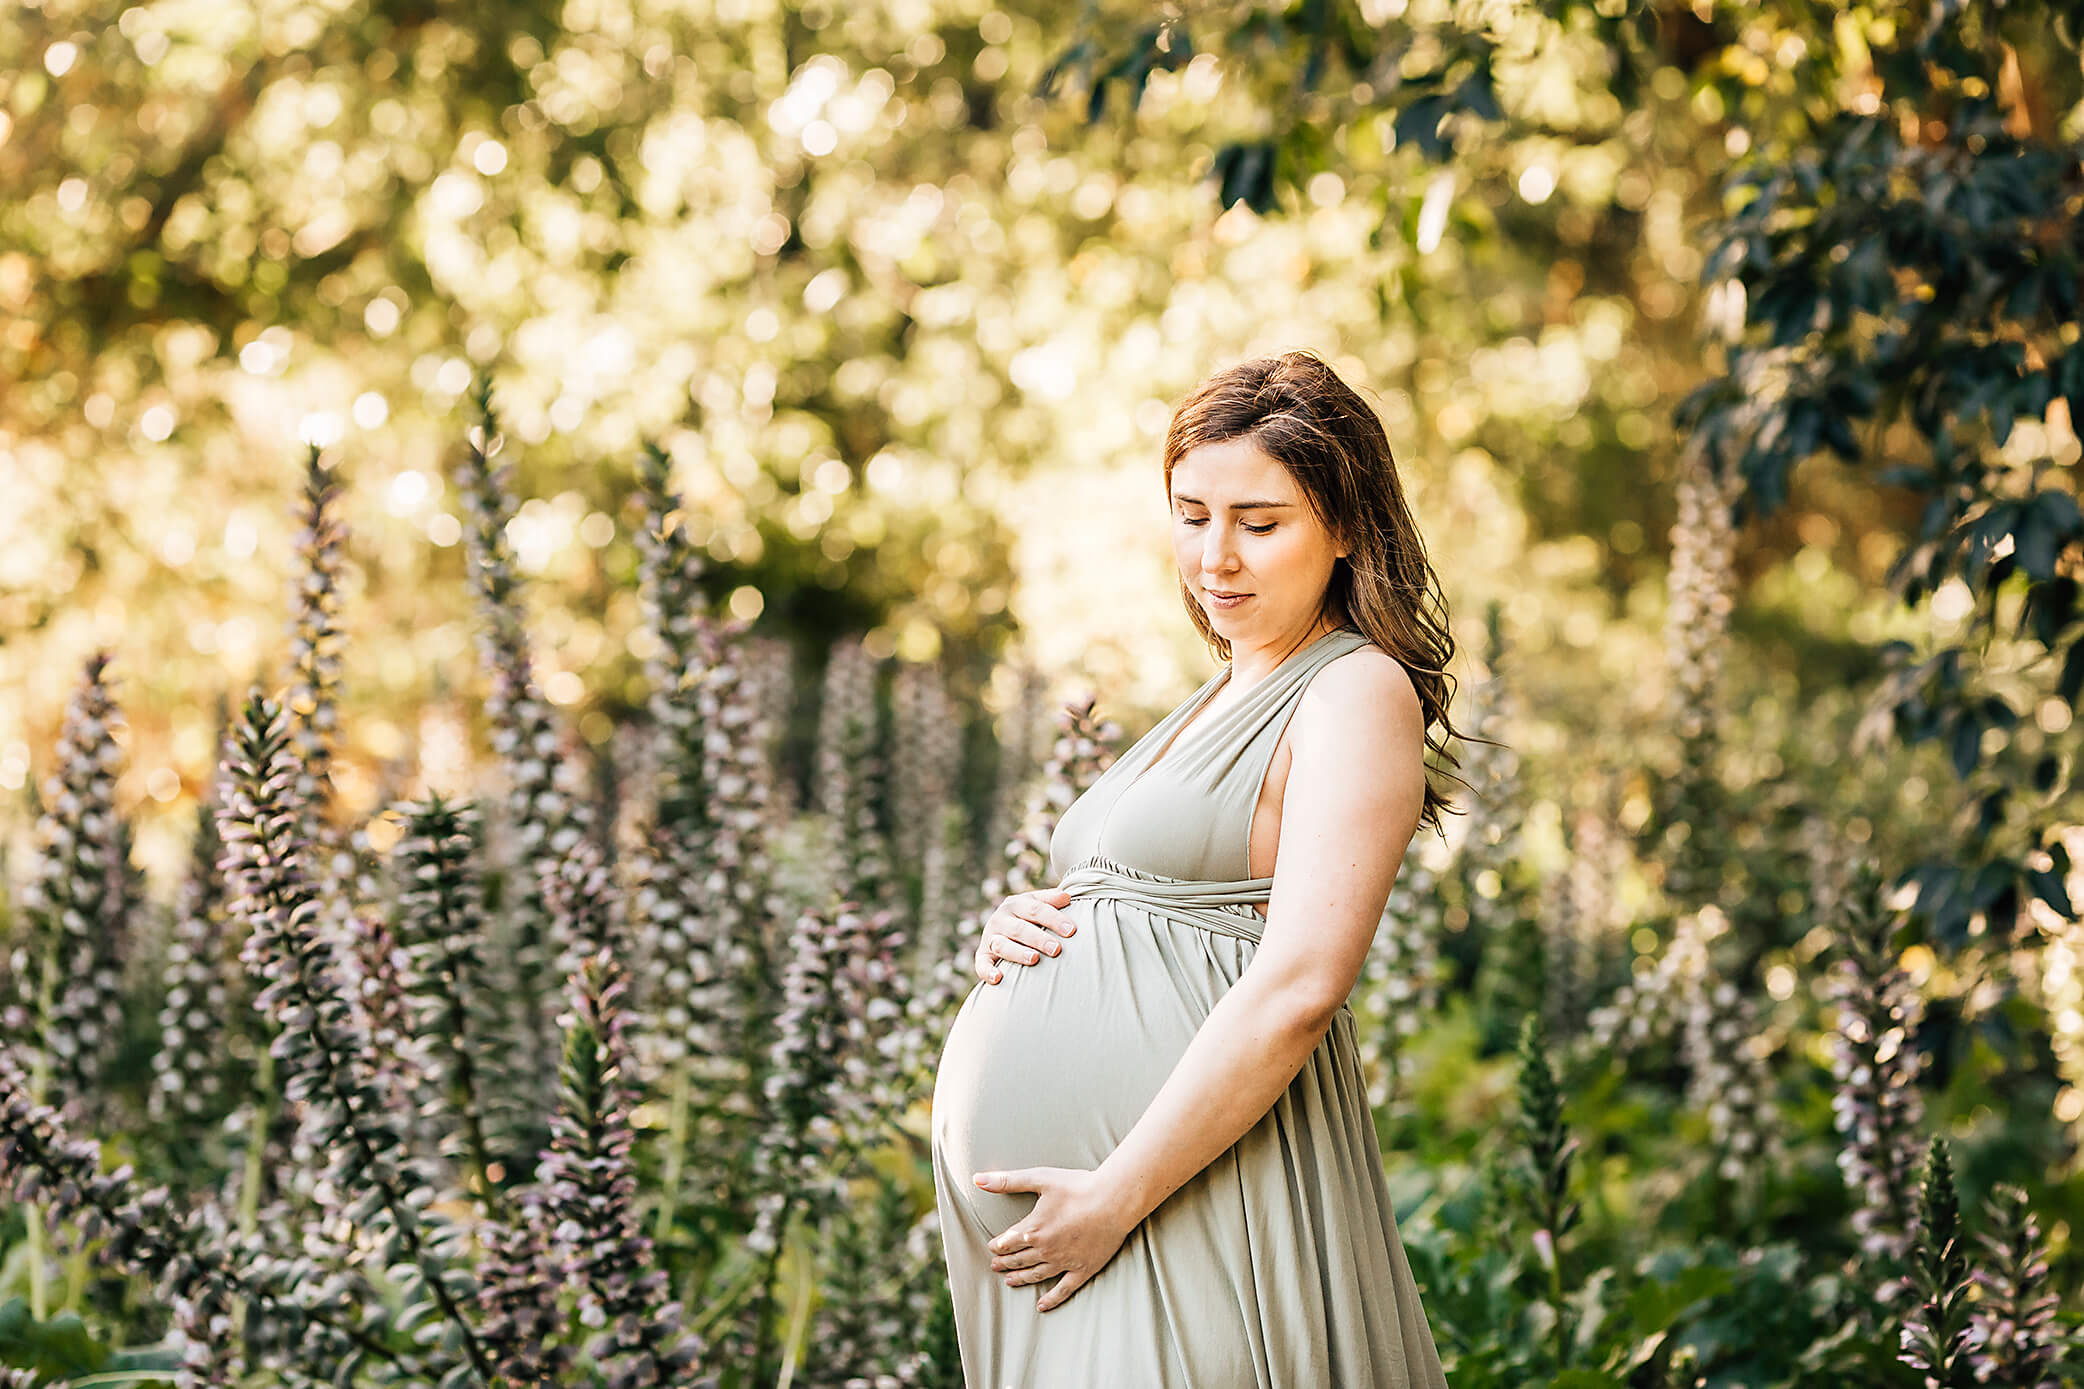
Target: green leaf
2071,685
2050,889
1420,123
1656,1306
152,1357
1905,475
2048,610
1967,744
60,1347
1477,95
1992,881
1078,53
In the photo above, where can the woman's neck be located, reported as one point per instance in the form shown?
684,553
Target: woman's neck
1248,668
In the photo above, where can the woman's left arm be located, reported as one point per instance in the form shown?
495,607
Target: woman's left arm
1355,788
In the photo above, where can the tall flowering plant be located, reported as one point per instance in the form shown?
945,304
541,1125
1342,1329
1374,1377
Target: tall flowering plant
64,1002
66,966
545,806
1877,1109
317,657
853,776
1935,1325
588,1195
696,876
451,1030
348,1097
1703,596
2013,1337
203,994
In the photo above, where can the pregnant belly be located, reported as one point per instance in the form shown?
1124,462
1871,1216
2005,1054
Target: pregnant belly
1054,1065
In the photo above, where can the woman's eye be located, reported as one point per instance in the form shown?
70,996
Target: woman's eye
1203,520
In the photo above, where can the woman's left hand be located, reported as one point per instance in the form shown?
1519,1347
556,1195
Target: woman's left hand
1073,1230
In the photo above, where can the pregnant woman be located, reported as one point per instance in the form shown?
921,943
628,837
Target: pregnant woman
1153,1155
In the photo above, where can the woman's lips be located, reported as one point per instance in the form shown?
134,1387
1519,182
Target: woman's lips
1226,602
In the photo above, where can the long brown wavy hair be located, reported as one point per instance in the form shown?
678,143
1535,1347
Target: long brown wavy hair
1295,407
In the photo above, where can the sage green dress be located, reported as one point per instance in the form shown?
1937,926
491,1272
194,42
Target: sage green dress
1276,1266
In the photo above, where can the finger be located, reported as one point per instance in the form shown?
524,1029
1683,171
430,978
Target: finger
1015,1179
1020,1278
1019,1258
1012,951
993,952
1046,916
1065,1286
1029,934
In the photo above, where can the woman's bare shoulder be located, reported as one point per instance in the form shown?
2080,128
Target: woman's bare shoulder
1366,694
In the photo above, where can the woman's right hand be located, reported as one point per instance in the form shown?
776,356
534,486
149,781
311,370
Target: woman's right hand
1019,930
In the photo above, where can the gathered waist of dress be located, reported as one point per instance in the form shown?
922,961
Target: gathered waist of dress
1224,908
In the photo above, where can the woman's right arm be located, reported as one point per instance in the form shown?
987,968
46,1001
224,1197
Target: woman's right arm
1022,929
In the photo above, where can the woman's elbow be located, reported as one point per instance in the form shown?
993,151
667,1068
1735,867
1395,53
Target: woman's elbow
1304,1006
1318,1007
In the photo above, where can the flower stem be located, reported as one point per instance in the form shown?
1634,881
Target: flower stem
799,1316
676,1154
249,1186
256,1142
39,1296
765,1291
76,1279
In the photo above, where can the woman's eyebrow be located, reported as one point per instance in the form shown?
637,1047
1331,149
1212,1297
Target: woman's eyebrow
1235,506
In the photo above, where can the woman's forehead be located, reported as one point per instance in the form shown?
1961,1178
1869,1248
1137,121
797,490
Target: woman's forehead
1229,470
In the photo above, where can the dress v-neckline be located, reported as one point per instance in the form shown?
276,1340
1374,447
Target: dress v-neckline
1220,682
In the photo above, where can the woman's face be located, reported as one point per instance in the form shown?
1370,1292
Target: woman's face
1240,525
